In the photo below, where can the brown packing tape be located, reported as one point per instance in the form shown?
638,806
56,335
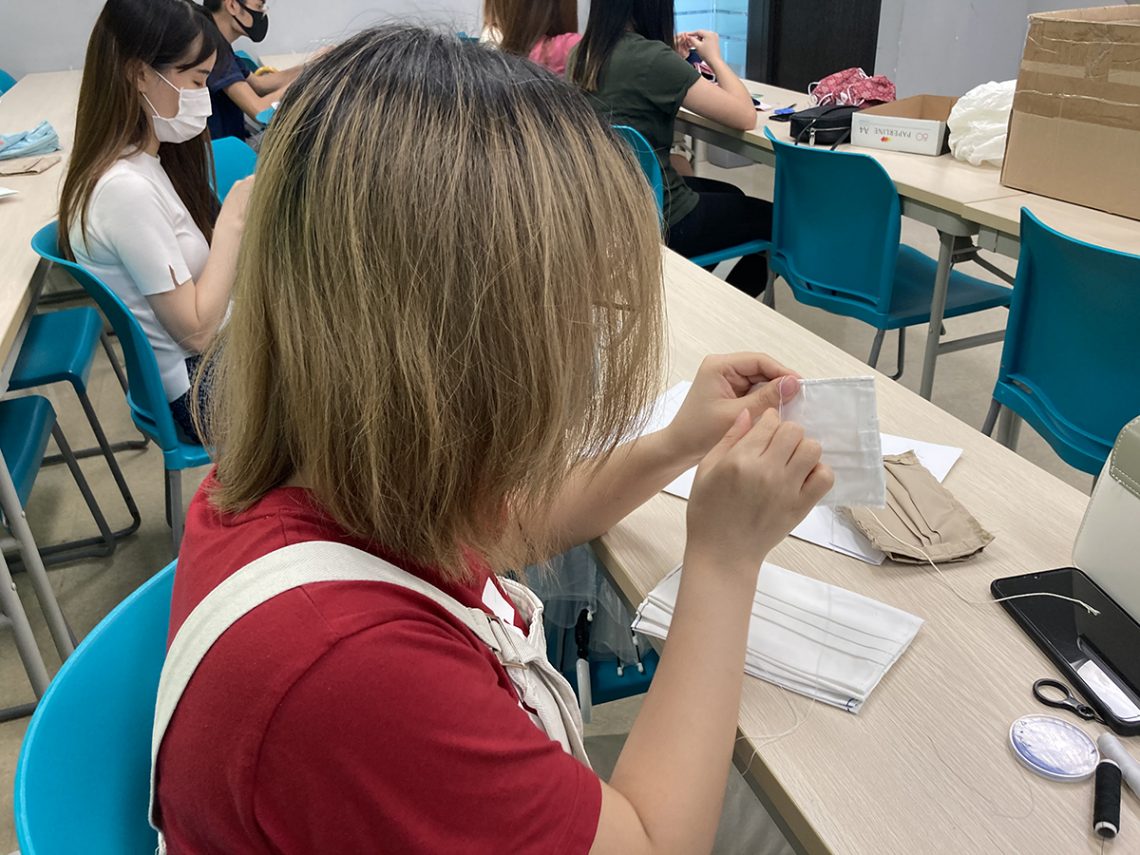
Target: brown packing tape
1097,14
1061,86
1075,108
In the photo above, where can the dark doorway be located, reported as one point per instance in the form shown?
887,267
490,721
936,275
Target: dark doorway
792,43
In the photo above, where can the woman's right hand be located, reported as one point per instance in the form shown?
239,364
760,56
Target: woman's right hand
751,489
232,215
707,44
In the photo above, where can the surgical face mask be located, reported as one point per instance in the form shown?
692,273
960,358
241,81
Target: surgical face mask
922,521
193,110
842,416
258,28
816,639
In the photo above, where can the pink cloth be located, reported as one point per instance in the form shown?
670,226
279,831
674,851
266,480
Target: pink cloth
852,87
553,52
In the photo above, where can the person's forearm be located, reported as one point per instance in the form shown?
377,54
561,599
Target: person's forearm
269,82
727,80
592,501
673,767
213,288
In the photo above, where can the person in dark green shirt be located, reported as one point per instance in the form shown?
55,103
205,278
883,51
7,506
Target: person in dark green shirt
633,67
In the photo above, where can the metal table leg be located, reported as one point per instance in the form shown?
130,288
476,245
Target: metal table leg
33,564
25,642
937,309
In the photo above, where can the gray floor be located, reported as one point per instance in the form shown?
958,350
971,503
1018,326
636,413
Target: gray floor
89,589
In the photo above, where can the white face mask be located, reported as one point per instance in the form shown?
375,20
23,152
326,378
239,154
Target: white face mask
193,110
842,416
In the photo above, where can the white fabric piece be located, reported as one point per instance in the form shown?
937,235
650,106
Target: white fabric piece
816,639
979,122
842,415
142,241
822,526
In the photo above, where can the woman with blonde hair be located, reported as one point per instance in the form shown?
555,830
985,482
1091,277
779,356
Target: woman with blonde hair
427,380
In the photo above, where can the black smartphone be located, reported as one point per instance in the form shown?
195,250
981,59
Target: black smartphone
1098,654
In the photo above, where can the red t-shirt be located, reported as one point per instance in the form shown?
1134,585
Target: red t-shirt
353,716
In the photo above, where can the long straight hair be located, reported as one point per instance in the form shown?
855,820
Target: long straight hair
609,20
523,22
112,118
434,350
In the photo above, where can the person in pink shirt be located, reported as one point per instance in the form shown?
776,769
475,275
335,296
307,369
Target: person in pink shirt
545,31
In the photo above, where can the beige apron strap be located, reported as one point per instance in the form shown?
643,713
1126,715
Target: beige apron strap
540,686
545,690
262,580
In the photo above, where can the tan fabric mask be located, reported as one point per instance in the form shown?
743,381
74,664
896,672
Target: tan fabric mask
922,520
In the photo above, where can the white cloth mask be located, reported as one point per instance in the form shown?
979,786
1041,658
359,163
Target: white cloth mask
821,641
842,416
194,108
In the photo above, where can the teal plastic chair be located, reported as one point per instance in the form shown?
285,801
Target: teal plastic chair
83,777
150,410
60,347
835,241
7,81
233,161
26,424
247,60
651,167
1071,361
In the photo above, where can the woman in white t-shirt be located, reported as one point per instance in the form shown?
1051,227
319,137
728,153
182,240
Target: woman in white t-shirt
137,207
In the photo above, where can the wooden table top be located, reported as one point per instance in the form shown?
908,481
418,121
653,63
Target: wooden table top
973,193
926,766
52,96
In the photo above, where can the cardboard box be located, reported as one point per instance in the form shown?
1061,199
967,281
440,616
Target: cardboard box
1074,133
915,124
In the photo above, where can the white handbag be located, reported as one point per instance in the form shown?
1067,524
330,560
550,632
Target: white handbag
1107,548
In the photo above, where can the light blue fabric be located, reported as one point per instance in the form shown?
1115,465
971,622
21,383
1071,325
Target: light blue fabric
42,139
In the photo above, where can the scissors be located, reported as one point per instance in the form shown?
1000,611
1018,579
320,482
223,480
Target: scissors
1067,701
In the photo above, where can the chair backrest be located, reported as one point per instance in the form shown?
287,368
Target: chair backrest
1072,342
835,224
83,777
647,159
147,398
233,161
248,61
7,81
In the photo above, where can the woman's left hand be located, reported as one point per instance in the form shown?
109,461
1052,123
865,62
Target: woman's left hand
724,385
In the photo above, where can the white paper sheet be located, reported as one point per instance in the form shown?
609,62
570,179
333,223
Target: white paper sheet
823,526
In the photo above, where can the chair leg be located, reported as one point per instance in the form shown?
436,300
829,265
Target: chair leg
769,295
902,354
114,360
991,418
876,347
1010,429
113,465
117,367
174,510
90,547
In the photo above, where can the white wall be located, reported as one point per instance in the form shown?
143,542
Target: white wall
46,35
945,47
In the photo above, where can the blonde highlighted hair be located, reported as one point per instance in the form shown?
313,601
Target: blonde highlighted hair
448,298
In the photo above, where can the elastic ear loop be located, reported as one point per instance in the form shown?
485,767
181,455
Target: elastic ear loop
956,593
812,702
769,739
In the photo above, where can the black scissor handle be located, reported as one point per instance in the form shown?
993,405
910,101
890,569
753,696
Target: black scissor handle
1067,700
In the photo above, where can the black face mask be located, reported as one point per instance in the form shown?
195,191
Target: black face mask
255,31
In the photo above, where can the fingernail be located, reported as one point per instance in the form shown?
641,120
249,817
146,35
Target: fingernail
789,386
